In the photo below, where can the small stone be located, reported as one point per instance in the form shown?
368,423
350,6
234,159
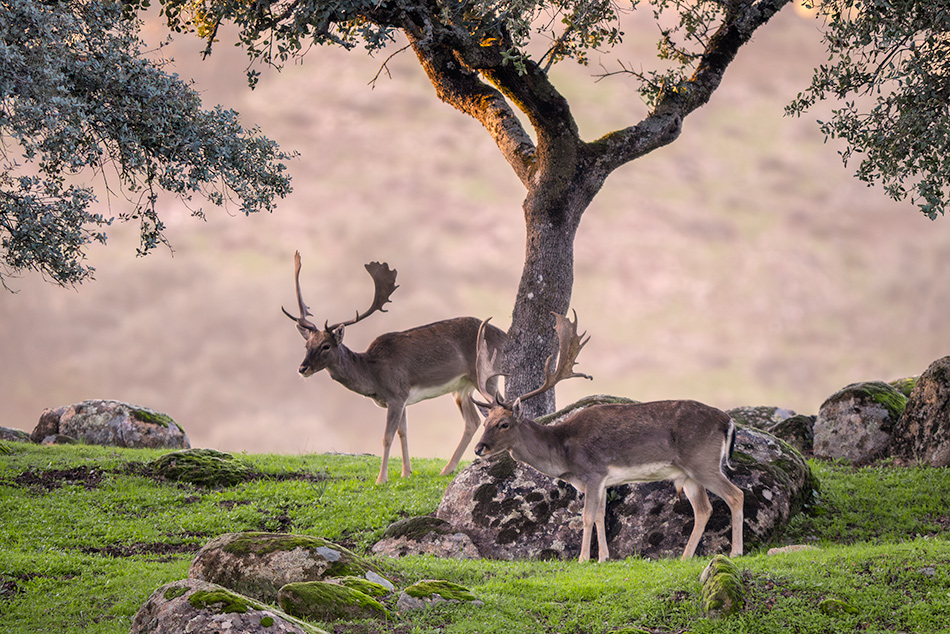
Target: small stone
836,606
794,548
432,592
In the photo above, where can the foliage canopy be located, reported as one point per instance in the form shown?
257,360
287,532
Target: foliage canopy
80,100
890,66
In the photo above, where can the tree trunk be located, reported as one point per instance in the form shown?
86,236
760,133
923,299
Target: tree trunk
546,283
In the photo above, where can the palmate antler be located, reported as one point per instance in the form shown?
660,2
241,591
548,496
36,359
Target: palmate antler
570,345
384,280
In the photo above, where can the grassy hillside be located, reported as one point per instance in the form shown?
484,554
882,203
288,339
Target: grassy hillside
87,535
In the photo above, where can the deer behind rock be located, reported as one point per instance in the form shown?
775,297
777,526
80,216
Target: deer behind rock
607,445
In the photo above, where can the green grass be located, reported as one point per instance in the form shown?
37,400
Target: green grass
87,536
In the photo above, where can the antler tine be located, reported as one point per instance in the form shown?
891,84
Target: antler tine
384,280
485,366
304,311
569,346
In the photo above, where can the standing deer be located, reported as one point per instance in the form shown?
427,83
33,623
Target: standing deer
399,368
607,445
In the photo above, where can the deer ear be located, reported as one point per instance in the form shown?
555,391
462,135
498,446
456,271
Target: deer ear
516,408
337,334
304,332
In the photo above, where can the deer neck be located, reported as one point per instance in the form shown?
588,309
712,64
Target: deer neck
351,370
540,447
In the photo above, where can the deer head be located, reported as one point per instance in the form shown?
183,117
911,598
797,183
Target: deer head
504,416
323,345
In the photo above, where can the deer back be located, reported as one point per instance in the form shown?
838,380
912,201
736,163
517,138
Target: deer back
430,355
625,439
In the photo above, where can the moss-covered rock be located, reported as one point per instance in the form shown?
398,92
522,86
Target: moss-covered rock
906,385
191,605
798,431
417,528
856,422
760,417
723,588
204,467
795,429
9,434
367,587
325,601
431,592
587,401
259,564
923,432
425,535
111,423
833,606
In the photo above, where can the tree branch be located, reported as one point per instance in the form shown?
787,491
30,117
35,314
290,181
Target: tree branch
462,88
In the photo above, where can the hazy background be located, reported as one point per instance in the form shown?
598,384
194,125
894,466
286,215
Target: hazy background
742,265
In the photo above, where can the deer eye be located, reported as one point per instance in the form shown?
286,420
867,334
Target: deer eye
325,347
504,425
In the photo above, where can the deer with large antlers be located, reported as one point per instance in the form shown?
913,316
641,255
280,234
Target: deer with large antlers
606,445
399,368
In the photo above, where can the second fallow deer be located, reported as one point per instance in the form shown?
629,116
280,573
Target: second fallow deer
607,445
399,368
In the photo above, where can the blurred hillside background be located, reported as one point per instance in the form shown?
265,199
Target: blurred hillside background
742,265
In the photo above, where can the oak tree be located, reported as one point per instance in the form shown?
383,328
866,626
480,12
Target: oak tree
491,61
80,103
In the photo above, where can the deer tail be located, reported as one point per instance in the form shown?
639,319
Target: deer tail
729,445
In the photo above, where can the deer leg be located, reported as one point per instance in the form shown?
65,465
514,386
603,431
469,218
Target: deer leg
592,517
404,442
603,553
395,414
472,420
587,522
702,509
734,498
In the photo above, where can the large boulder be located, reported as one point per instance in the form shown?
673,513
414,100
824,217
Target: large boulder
259,564
113,424
795,429
856,422
923,432
512,511
199,607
